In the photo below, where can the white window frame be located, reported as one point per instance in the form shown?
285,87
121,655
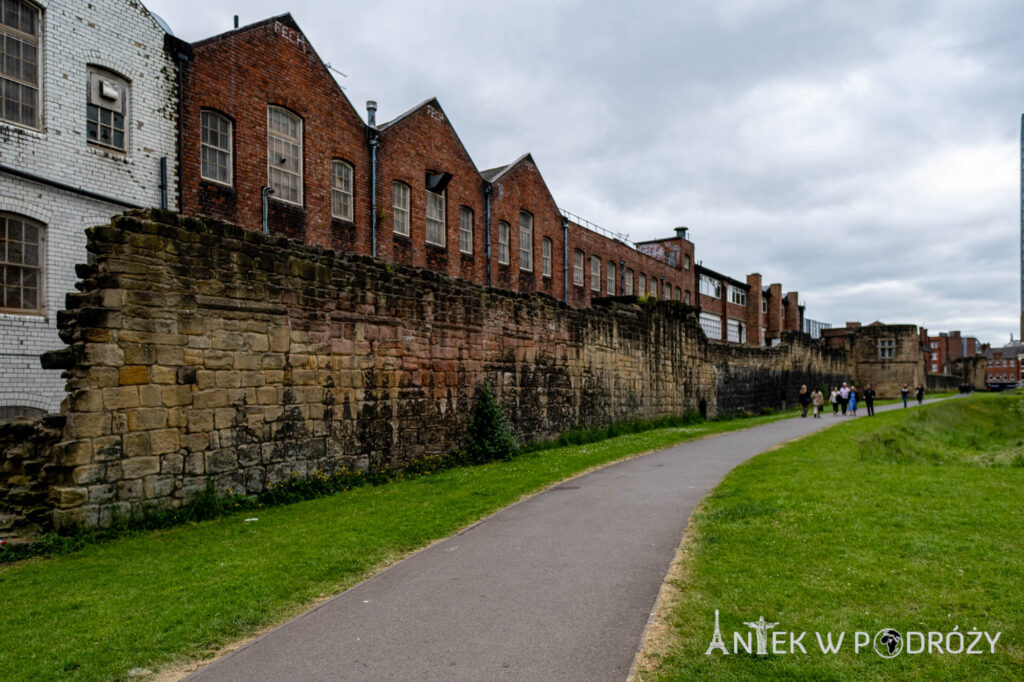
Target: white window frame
525,241
284,138
577,267
641,285
208,148
736,330
764,306
886,349
503,242
434,212
545,257
712,326
737,295
32,40
400,193
465,229
687,297
610,272
595,274
107,93
627,287
709,286
16,259
342,200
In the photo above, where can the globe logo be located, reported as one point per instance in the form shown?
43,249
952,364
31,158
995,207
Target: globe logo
888,643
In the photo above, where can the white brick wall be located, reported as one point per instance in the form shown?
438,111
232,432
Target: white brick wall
119,36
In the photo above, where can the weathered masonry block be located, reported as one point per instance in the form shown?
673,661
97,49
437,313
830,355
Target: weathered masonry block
203,351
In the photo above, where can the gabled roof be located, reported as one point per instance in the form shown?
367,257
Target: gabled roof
398,120
495,174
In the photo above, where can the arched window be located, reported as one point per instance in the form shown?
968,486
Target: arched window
284,154
216,148
341,190
21,264
525,241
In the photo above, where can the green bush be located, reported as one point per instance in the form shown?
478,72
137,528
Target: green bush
489,438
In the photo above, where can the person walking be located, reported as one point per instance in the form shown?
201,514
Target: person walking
920,394
844,397
905,393
817,400
834,399
869,400
805,400
853,401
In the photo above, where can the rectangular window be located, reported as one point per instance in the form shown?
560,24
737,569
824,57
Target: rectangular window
106,109
216,148
609,270
284,155
545,256
595,274
341,190
935,368
435,218
465,230
679,296
503,230
935,344
712,326
764,305
627,287
686,262
19,63
20,264
737,295
525,241
709,286
577,268
886,349
400,208
737,331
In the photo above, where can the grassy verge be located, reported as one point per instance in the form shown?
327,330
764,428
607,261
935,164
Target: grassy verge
909,520
161,597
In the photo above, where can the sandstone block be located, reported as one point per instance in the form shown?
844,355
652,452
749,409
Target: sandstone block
164,441
74,453
120,397
146,418
136,444
220,461
137,467
204,400
88,473
90,424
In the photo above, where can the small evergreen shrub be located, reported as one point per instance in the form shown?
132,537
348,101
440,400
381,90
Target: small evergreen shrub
489,438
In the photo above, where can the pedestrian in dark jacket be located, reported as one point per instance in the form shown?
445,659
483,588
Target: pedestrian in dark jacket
869,400
920,394
905,394
805,400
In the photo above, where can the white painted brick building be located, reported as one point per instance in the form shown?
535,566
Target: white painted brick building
94,113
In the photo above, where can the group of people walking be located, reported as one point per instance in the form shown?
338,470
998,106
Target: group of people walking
845,398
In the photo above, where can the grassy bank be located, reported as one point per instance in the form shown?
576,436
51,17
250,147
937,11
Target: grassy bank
161,597
910,520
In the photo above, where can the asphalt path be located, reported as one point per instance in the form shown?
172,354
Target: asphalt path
557,587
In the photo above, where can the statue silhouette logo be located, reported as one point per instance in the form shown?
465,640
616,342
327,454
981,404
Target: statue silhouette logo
761,629
888,643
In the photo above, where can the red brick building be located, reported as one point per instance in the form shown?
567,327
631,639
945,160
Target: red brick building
269,137
1004,368
945,348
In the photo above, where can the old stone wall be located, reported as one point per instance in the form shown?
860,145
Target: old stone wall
943,382
28,469
203,351
971,370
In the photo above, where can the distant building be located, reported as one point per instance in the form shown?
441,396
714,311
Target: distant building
944,349
1004,366
88,111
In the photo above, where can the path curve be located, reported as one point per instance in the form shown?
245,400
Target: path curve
557,587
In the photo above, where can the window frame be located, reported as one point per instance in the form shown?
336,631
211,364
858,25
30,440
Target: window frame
286,139
578,258
397,209
504,237
466,230
546,246
35,40
595,279
229,152
709,286
710,323
526,241
336,191
609,277
437,221
627,284
39,268
95,71
641,284
886,349
737,296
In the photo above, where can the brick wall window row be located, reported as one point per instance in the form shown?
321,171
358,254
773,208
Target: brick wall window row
284,155
341,190
21,261
400,208
19,63
216,148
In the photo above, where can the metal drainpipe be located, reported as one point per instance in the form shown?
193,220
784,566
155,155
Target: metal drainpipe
374,141
181,59
487,222
266,191
163,183
565,257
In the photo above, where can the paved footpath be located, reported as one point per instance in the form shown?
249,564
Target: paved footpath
557,587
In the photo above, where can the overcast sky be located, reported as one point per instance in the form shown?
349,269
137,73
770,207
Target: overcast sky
865,154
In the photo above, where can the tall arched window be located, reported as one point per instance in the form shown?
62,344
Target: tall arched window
21,264
525,241
19,63
341,190
284,154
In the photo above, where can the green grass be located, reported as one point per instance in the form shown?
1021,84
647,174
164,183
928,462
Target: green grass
162,597
911,520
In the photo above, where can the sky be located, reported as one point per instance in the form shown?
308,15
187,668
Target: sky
865,154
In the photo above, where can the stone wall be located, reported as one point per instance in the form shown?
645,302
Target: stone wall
28,469
970,370
203,351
